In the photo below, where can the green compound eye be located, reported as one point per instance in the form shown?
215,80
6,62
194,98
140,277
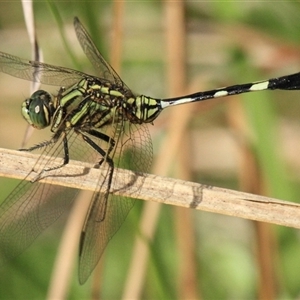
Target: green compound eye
36,110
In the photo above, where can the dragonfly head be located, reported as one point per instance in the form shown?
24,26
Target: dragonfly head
38,109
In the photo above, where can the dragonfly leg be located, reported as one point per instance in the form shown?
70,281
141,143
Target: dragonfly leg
106,157
66,159
106,138
44,144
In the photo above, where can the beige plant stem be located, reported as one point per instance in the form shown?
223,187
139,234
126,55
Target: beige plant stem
16,164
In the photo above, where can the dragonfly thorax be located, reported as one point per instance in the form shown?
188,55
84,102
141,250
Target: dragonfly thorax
38,109
142,109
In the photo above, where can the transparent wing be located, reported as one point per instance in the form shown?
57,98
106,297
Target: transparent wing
107,214
27,212
32,207
38,72
54,75
97,60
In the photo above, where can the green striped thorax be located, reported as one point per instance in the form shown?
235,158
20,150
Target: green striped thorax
90,101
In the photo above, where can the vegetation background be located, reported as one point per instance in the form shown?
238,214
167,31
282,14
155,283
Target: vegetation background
248,142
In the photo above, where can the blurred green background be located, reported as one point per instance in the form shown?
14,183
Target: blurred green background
249,142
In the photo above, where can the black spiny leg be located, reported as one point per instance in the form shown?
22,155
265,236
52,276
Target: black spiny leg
54,139
102,136
44,144
105,155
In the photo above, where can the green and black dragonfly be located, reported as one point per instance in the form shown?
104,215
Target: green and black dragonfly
94,119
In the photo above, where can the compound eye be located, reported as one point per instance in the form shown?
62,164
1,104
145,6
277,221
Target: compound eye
36,110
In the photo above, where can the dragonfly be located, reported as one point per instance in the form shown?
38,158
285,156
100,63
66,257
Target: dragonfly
98,120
